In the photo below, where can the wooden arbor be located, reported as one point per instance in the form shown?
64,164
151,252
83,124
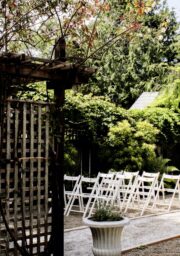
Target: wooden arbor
60,75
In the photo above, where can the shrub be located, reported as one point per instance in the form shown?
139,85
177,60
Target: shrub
132,144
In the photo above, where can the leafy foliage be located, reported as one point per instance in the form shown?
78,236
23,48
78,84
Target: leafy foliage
138,61
70,159
163,118
122,139
95,113
105,213
132,44
132,144
168,122
170,95
36,91
160,164
33,26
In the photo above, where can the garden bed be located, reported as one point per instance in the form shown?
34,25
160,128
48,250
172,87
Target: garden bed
167,248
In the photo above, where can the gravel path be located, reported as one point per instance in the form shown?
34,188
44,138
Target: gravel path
140,232
167,248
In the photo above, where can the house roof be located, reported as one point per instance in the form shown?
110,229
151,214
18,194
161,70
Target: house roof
144,100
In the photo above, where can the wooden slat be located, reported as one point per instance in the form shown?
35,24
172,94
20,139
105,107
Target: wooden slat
31,172
23,174
16,189
46,174
39,178
3,245
8,156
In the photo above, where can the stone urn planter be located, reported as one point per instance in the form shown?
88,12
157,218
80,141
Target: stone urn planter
106,236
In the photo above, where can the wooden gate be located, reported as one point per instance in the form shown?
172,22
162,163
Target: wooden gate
24,178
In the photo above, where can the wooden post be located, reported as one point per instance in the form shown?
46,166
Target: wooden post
57,171
57,178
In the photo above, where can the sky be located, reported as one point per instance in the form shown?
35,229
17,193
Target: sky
176,5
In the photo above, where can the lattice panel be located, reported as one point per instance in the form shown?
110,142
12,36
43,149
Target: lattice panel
24,176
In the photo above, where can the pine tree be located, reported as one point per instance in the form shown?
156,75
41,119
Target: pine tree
138,61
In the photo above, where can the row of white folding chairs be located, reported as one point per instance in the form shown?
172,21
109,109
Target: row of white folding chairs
120,189
126,190
142,192
81,188
111,189
147,193
131,191
166,195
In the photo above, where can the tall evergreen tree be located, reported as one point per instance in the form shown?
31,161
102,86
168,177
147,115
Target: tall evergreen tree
139,60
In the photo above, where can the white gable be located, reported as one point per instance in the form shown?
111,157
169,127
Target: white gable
144,100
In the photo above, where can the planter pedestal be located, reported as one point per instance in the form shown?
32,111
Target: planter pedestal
106,236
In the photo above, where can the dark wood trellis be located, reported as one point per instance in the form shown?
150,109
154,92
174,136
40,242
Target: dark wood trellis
24,179
28,223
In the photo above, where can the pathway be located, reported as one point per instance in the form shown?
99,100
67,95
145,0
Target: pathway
140,231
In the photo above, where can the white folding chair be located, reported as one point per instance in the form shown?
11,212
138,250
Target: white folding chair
102,192
82,192
143,192
151,175
125,187
133,174
166,195
70,188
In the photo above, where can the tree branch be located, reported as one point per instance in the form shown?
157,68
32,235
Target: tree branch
92,32
107,43
71,18
60,25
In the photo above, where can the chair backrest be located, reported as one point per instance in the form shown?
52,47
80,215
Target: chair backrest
104,182
88,180
71,178
86,184
153,175
133,173
125,183
106,175
114,172
142,179
82,191
70,184
170,178
102,189
150,174
148,180
170,191
124,178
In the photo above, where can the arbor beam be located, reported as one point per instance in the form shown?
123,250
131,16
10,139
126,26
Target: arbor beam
31,69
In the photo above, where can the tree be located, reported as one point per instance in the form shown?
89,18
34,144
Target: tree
170,95
31,26
88,120
139,61
121,138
